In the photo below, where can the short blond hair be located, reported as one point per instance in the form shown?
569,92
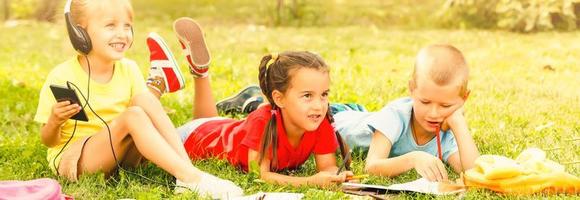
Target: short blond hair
443,64
79,9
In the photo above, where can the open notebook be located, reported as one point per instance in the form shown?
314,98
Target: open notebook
421,185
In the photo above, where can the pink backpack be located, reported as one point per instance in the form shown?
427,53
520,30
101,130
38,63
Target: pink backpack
43,188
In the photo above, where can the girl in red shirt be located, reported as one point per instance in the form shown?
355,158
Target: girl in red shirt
277,136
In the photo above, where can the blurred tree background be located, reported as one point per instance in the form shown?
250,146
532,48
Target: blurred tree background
513,15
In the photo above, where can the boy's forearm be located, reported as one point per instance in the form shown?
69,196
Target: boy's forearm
467,149
391,167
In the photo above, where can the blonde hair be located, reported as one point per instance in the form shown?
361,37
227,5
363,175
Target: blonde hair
443,64
79,9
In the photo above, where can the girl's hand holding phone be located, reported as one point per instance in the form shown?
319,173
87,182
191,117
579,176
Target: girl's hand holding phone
62,111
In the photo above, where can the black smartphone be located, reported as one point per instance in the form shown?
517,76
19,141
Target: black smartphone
67,94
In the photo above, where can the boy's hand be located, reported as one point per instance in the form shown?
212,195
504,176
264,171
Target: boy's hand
325,178
429,166
456,117
62,111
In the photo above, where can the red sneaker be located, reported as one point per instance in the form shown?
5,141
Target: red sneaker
191,38
164,74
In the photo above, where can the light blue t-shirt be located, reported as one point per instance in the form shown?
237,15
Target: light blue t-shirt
394,122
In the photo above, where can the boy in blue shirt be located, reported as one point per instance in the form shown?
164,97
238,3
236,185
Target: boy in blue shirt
402,136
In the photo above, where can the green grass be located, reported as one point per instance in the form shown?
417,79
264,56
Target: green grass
512,93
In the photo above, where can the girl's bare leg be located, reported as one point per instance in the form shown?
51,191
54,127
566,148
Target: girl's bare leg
203,101
133,157
133,127
154,110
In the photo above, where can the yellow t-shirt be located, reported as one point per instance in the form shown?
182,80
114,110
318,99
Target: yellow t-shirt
107,100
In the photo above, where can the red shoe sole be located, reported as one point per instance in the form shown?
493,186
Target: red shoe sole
190,34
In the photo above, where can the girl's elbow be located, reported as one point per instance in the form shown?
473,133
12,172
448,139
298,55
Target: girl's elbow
48,143
265,176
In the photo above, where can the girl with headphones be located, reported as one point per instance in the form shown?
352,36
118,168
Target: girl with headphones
127,123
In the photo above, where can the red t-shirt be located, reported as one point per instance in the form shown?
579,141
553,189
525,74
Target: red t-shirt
231,139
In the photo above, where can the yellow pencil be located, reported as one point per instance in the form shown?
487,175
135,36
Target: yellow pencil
348,178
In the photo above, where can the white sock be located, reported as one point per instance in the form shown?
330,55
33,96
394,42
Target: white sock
210,185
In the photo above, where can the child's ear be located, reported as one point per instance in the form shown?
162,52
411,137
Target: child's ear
278,96
411,86
467,92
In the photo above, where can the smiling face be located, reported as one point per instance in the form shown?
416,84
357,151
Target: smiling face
305,102
109,27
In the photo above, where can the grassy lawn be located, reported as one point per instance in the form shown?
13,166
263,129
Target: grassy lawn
524,91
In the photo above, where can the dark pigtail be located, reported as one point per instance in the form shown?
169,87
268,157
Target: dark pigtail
344,149
270,137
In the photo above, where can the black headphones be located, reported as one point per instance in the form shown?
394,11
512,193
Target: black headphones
79,37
